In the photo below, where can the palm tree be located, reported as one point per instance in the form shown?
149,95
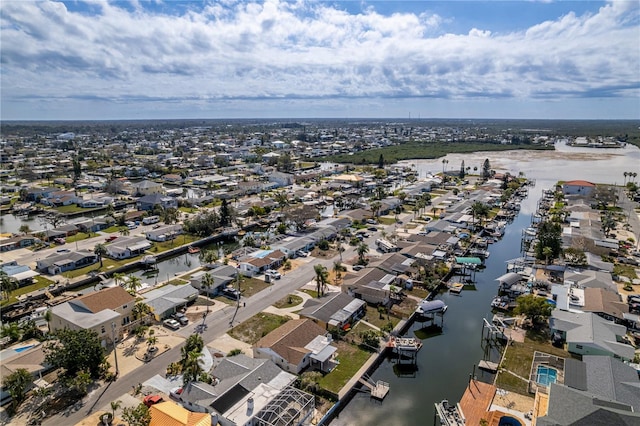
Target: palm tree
7,284
207,282
151,341
118,278
191,367
124,231
100,250
375,208
479,209
547,252
140,310
17,385
362,250
625,177
321,279
24,229
340,250
133,284
115,405
338,268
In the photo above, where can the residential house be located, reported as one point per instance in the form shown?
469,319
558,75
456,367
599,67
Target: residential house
588,334
172,179
17,242
335,310
222,275
22,274
30,359
126,247
148,187
168,413
291,245
59,263
95,225
568,406
106,312
371,285
578,187
149,202
168,299
590,279
297,345
604,377
605,304
164,233
247,390
259,261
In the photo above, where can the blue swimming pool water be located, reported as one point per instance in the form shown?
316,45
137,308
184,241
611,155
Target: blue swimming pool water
23,348
546,375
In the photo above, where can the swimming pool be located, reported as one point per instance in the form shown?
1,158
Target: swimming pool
546,375
23,348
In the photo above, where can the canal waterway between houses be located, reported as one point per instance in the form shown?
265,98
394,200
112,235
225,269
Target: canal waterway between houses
446,361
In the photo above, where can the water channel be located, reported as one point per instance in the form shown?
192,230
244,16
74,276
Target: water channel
446,360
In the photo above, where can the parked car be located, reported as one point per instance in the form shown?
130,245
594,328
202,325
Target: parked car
273,273
231,293
59,241
372,229
176,394
171,323
181,318
111,238
357,267
302,253
150,400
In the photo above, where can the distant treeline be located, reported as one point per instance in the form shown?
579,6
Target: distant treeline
422,150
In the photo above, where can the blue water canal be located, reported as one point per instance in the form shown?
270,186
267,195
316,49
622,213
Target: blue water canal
446,360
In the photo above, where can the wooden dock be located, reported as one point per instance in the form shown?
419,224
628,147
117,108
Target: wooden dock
378,390
492,367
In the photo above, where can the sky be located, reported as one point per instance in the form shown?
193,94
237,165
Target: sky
165,59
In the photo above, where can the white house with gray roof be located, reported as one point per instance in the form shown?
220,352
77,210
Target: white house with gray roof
126,247
588,334
167,299
243,387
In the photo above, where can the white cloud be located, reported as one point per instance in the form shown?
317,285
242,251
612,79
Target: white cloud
237,50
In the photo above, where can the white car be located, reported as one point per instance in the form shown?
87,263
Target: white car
171,323
302,253
273,274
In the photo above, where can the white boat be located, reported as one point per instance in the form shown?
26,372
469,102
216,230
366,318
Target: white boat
450,415
148,259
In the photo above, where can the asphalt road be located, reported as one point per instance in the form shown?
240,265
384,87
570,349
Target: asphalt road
218,323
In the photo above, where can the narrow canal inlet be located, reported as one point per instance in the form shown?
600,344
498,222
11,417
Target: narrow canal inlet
446,361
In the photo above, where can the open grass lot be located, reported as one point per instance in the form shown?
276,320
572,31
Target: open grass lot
107,264
288,301
628,271
405,308
78,237
38,283
257,327
519,358
386,220
251,286
178,241
112,229
420,150
351,358
373,317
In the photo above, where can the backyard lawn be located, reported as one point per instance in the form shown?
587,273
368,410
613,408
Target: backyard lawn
38,283
351,358
519,358
257,327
